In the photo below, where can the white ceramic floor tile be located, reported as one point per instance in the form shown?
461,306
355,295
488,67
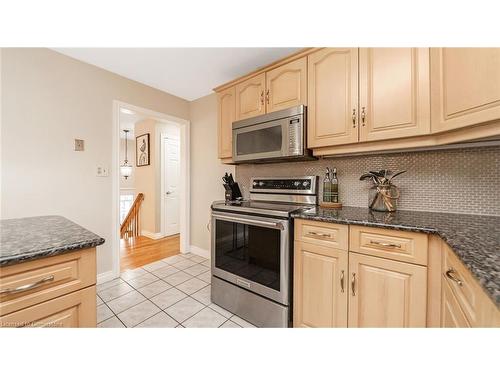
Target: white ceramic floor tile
206,277
188,255
174,259
206,318
180,326
98,300
132,274
168,298
113,322
206,263
154,288
230,324
160,320
126,301
177,278
143,280
241,322
184,309
203,295
154,266
196,270
220,310
139,313
191,286
186,263
108,284
165,271
115,292
197,259
103,313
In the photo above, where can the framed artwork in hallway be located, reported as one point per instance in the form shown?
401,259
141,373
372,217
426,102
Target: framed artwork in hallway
142,150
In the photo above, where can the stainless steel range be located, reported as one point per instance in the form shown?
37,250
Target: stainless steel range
252,258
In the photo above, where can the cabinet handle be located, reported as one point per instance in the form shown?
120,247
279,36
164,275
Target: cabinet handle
326,235
267,96
385,244
353,284
354,118
363,116
342,281
262,97
26,287
450,275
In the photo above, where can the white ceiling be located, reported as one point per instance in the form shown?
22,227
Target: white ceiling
189,73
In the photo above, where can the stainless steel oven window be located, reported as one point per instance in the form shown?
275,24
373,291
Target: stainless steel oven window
282,226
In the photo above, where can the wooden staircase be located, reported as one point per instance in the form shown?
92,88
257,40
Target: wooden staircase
131,225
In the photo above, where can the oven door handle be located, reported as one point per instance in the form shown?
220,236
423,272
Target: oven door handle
260,223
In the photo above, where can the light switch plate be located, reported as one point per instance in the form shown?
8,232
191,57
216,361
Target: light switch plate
102,171
79,145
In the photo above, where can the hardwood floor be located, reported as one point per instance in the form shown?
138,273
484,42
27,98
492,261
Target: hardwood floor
138,251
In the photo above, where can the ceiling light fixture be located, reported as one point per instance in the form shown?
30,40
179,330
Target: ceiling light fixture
126,168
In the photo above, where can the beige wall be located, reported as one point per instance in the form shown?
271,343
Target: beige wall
49,99
206,168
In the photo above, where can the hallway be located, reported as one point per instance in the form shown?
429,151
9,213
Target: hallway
138,251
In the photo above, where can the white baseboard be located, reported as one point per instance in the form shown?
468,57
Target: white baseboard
153,236
105,276
199,251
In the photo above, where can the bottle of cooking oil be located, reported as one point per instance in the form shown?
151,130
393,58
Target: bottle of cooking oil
327,187
334,190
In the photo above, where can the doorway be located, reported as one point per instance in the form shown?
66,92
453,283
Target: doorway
164,230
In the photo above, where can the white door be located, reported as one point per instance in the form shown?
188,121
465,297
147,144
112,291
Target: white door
171,183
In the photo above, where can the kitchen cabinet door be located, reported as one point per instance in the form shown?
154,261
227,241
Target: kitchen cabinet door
250,97
386,293
286,86
320,286
394,90
332,76
452,315
226,108
465,87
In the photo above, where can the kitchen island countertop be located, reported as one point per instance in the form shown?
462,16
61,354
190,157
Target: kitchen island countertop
475,239
37,237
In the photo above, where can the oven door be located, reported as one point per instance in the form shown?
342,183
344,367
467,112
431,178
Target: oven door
263,141
253,253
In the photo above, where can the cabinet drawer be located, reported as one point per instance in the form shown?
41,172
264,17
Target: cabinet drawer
77,309
26,284
463,285
391,244
325,234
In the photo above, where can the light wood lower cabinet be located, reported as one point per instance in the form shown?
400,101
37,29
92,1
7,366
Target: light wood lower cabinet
386,293
320,286
452,315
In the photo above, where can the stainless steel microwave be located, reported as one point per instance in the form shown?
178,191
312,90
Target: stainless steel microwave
273,137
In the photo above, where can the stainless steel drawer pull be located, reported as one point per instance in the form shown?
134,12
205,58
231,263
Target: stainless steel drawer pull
342,281
26,287
326,235
450,275
385,244
353,284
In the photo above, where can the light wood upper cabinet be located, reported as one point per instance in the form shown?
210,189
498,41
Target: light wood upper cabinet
250,97
320,286
393,93
332,75
465,87
226,110
286,86
386,293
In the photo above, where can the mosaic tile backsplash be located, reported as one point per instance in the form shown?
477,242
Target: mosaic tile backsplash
457,181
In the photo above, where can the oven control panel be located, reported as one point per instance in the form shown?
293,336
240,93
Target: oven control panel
276,185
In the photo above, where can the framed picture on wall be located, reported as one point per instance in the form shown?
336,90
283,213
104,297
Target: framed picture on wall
142,153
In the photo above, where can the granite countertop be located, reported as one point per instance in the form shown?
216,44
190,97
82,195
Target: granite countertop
475,239
37,237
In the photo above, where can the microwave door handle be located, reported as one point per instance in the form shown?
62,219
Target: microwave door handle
250,221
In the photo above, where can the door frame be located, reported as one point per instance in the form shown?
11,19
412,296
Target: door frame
163,221
115,177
